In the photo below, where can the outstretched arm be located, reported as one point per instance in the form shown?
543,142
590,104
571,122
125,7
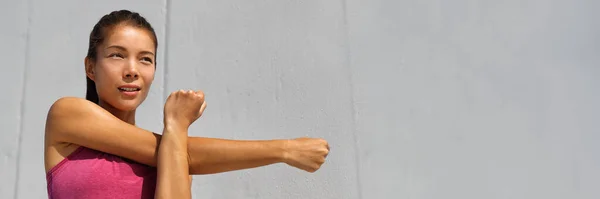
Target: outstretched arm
212,155
78,121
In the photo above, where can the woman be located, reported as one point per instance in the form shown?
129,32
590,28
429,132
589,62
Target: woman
93,149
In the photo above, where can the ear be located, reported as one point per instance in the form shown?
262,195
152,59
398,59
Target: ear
89,68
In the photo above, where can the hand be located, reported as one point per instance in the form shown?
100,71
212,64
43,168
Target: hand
183,108
306,153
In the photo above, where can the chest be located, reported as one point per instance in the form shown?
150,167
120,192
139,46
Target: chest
92,174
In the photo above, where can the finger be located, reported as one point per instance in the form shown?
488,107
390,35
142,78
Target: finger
200,93
322,160
202,108
170,95
309,169
314,168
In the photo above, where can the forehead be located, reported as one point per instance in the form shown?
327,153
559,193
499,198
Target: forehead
130,38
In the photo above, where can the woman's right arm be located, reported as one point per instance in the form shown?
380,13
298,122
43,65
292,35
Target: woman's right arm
78,121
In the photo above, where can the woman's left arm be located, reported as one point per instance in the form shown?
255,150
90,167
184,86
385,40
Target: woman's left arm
173,177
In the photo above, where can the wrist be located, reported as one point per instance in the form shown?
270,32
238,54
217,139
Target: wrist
175,133
172,126
283,146
174,141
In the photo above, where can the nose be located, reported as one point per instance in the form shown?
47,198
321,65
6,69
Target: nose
131,71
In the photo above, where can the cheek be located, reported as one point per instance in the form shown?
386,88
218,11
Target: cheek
148,75
106,74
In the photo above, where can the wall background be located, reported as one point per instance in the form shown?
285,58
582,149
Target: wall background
418,99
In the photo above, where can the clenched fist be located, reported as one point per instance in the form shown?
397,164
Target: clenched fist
183,108
306,153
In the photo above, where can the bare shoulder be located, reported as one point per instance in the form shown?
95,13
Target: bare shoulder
66,105
62,110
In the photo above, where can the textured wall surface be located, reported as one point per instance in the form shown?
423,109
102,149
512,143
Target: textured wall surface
418,99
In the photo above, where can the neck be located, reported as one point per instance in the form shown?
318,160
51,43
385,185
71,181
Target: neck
126,116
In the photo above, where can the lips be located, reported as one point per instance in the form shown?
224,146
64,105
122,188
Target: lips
129,90
130,87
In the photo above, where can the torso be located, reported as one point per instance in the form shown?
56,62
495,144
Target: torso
56,153
79,172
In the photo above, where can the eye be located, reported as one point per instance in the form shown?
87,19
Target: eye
147,59
115,55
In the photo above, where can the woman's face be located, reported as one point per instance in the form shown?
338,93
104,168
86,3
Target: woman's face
124,67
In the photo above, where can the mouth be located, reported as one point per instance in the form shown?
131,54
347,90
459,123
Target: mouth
129,89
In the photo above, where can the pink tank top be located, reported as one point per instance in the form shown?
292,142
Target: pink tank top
90,174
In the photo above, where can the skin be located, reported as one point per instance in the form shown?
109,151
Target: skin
127,57
181,110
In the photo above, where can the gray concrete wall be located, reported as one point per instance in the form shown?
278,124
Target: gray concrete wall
418,99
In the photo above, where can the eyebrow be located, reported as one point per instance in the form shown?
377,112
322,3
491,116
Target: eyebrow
123,49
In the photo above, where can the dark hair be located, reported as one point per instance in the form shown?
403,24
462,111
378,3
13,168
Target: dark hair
98,34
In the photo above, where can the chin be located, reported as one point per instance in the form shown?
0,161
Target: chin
124,104
128,105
